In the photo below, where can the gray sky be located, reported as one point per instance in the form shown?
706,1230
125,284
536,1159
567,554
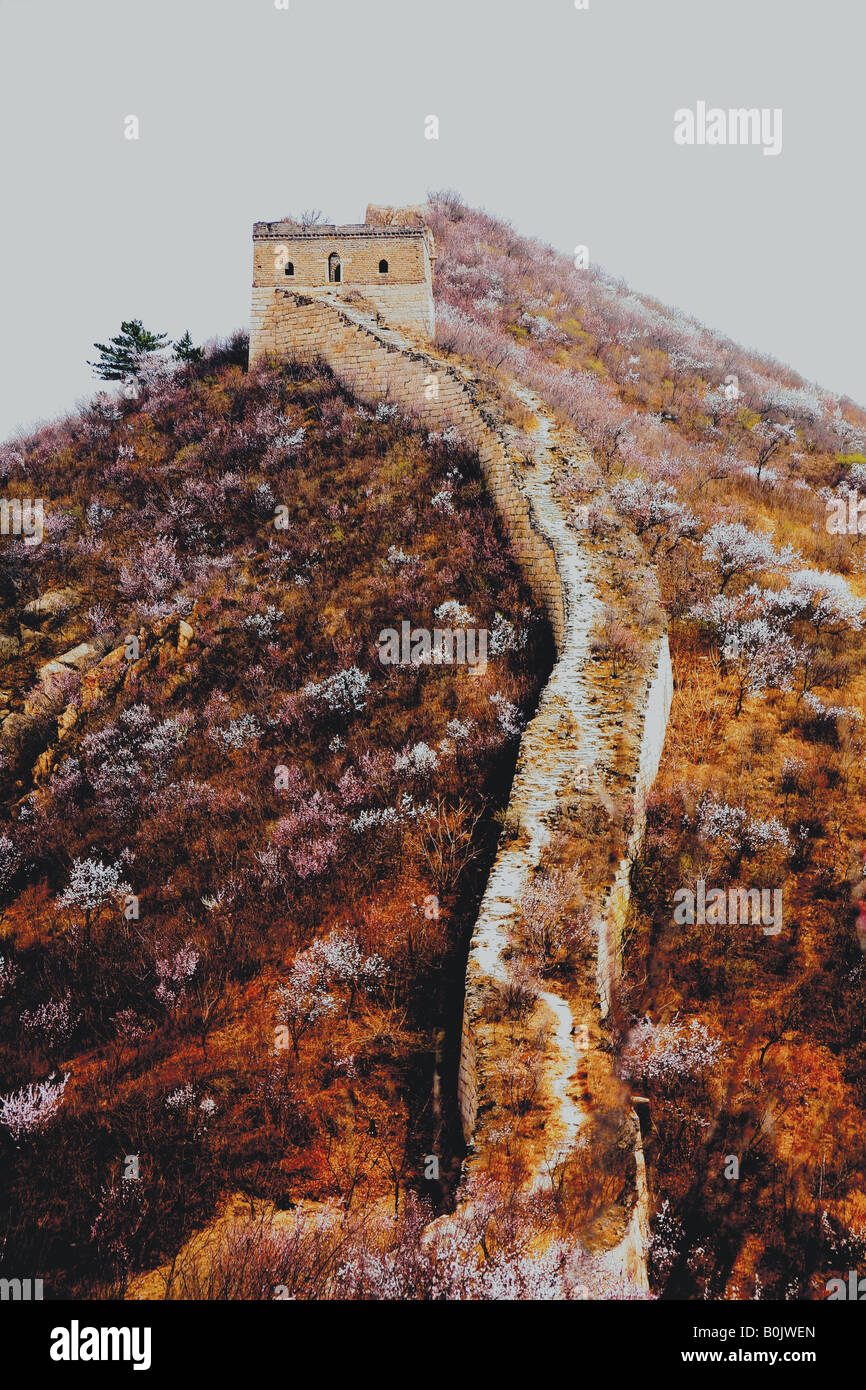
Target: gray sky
558,119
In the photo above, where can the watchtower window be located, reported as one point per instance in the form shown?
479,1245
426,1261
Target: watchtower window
290,267
383,267
334,273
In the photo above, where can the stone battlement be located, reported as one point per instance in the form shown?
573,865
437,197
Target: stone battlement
387,261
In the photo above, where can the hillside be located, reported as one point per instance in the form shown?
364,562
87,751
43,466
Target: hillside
244,856
258,780
735,473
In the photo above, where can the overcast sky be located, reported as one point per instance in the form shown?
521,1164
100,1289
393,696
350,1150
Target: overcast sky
558,119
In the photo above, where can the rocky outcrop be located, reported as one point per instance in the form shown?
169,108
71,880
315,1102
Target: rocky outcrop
56,603
103,669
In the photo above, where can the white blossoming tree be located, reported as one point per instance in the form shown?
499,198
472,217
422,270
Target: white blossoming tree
763,656
92,889
336,960
30,1110
732,549
668,1052
823,599
653,509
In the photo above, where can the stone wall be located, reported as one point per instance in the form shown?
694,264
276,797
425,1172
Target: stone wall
618,901
467,1074
360,254
288,257
374,363
378,364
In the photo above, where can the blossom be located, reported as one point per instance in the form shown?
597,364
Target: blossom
652,506
822,597
97,514
733,548
336,960
174,972
454,613
10,860
306,841
417,761
263,624
162,743
397,557
552,921
152,572
503,637
459,729
290,441
344,963
8,974
664,1051
32,1109
127,1026
92,885
443,502
831,714
717,820
508,716
303,1001
182,1098
766,654
802,402
344,693
52,1023
238,733
374,819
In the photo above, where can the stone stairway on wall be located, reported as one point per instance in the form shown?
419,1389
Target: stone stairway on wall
578,726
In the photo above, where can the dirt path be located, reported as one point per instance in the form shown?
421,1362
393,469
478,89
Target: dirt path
552,770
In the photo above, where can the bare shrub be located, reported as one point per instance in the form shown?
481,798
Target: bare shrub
615,643
520,1078
520,991
554,922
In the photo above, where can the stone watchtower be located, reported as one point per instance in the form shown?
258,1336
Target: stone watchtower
385,262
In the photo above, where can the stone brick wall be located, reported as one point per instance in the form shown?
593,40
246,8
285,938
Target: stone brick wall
655,719
378,364
467,1077
403,294
359,254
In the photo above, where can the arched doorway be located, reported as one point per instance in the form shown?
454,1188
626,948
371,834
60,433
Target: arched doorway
334,269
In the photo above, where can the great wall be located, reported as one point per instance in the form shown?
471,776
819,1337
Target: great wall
587,747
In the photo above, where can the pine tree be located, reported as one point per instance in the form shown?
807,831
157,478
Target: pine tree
125,355
186,351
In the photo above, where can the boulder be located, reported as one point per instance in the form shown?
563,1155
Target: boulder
76,659
53,604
